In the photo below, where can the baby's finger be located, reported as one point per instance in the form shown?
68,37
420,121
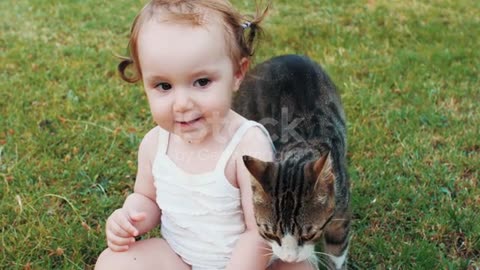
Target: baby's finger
119,241
138,216
128,227
116,248
124,223
117,230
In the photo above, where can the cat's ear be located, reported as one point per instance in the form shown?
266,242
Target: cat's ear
325,179
258,169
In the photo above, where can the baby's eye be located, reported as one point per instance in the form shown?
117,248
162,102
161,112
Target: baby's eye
163,86
202,82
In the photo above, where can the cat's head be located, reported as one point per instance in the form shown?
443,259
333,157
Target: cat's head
293,202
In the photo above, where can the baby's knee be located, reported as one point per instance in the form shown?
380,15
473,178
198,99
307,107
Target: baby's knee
127,260
108,259
152,253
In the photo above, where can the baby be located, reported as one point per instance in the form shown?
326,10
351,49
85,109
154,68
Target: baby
191,56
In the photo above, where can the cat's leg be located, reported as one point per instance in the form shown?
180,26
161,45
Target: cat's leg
336,240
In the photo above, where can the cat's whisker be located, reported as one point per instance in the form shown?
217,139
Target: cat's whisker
265,248
322,261
267,254
314,261
321,253
268,251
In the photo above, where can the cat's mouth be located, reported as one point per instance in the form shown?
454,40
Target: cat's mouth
294,255
290,251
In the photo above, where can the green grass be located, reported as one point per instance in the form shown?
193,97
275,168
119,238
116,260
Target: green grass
408,72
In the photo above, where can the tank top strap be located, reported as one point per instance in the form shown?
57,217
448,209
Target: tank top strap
163,137
237,137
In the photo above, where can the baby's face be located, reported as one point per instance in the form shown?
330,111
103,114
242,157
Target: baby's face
188,77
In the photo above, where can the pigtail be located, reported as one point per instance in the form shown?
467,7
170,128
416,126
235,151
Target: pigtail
252,31
122,69
132,60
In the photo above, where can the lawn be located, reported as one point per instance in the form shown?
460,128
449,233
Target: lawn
408,72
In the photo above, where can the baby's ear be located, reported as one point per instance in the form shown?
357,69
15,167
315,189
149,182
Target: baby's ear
242,69
260,181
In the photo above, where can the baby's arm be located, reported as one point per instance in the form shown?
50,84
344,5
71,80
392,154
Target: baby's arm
139,213
251,252
143,198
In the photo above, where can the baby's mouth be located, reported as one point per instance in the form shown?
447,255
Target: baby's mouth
189,122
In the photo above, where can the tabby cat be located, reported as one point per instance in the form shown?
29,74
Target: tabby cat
302,198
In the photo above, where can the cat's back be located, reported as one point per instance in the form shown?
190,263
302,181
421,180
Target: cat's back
292,82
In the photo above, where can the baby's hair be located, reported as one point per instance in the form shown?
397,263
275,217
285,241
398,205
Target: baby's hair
241,31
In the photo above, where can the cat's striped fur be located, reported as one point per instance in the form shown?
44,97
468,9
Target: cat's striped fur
303,197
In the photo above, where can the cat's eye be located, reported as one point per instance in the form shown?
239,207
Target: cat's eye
163,86
201,82
311,233
269,236
310,236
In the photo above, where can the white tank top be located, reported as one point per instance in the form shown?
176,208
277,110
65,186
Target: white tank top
202,217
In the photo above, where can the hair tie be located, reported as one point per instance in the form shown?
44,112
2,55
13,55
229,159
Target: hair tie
246,25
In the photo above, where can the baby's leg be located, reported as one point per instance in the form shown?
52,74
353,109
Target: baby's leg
152,253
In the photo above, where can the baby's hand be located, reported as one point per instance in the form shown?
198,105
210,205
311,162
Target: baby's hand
120,229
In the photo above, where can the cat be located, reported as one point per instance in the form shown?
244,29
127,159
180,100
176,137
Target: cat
302,197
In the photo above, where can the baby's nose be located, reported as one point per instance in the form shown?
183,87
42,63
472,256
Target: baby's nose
182,101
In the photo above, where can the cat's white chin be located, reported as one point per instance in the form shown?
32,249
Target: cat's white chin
290,251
